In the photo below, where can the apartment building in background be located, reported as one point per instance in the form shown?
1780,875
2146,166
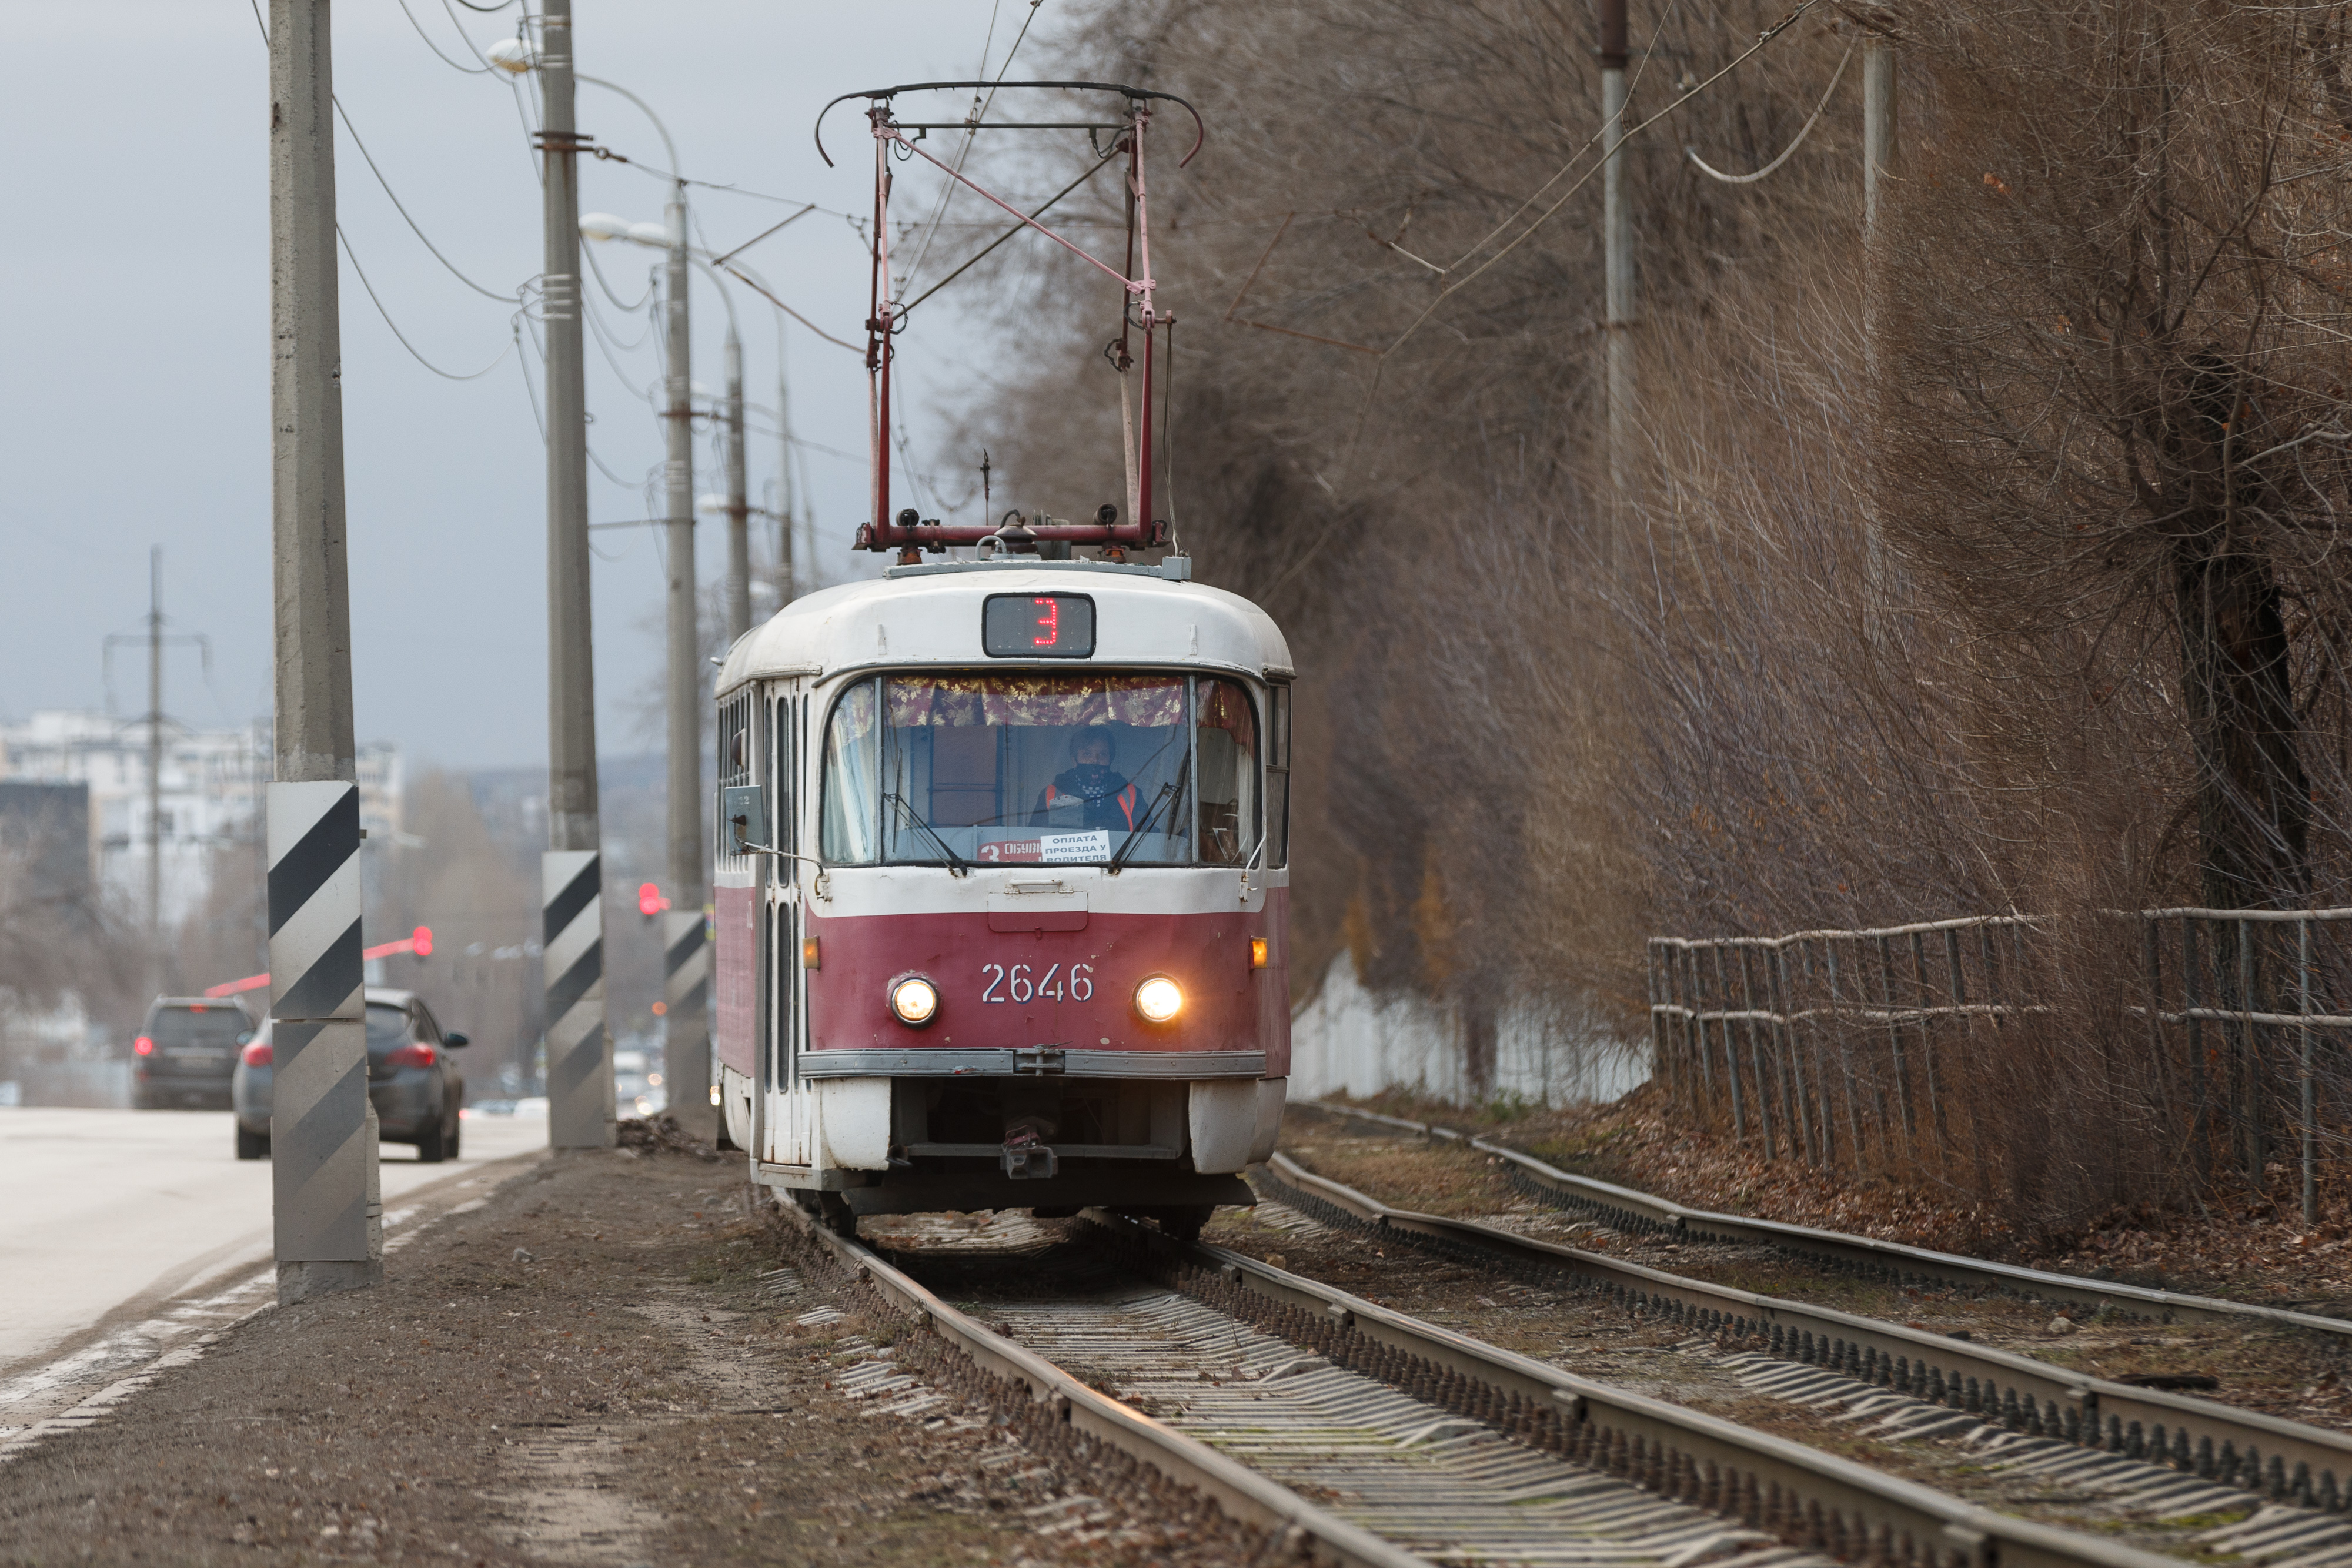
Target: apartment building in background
210,797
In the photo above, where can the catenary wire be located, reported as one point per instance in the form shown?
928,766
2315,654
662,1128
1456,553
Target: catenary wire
453,64
369,158
361,273
606,346
1787,152
541,349
971,135
1453,284
462,34
618,303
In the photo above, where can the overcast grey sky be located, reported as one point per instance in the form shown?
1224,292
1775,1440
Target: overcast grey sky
135,333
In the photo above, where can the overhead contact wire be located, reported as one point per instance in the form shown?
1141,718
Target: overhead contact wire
361,273
1787,152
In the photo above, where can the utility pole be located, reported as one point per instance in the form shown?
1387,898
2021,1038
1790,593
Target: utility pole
156,640
1617,248
1877,154
155,767
686,954
787,494
739,504
1877,124
571,880
327,1204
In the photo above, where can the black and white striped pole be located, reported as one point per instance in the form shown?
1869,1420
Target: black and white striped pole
327,1206
685,994
322,1129
580,1109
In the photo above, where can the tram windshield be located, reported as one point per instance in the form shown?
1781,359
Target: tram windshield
1051,769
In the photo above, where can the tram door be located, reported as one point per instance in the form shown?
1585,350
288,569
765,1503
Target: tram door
789,1116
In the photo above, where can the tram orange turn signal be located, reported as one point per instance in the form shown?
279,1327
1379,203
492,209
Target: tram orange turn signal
1158,999
809,953
1258,952
915,999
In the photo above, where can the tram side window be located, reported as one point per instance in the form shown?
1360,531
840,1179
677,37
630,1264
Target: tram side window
1278,777
853,792
1227,743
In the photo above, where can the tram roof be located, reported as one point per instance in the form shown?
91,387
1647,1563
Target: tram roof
930,614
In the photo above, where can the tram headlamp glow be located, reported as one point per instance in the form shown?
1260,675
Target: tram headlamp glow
915,999
1158,998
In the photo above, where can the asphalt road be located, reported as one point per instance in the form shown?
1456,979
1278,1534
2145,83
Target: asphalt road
109,1211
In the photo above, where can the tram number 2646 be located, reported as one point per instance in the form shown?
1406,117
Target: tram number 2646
1018,985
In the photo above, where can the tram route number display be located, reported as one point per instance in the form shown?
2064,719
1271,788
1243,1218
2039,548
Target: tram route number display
1037,626
1049,849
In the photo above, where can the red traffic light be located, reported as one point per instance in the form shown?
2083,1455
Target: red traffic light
650,901
422,937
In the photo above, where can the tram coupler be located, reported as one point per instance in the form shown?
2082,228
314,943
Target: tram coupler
1030,1162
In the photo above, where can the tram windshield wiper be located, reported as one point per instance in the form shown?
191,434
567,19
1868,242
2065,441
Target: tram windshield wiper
1135,834
961,866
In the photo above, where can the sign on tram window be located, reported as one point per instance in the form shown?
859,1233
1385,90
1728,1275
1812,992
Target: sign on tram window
1037,626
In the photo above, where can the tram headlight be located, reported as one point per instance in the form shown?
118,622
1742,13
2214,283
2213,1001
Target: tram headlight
915,1000
1158,998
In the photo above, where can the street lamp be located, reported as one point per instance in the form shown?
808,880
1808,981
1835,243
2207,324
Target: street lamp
605,226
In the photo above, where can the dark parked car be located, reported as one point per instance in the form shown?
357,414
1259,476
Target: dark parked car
412,1078
185,1051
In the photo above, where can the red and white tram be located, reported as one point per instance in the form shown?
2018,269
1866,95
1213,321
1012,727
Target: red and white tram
1001,891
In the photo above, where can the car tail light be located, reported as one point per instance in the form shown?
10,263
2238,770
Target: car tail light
143,1046
258,1054
416,1053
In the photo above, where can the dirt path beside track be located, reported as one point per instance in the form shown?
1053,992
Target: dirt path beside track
608,1364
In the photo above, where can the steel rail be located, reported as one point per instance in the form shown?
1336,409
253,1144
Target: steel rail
1643,1212
1801,1494
1807,1496
1239,1491
2286,1460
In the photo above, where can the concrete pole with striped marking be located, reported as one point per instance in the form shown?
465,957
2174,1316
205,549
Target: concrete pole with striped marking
580,1109
327,1206
686,1029
579,1049
685,996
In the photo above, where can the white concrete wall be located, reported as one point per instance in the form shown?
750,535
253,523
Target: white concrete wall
1347,1042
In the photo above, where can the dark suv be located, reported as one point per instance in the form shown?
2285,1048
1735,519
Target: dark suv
186,1051
413,1081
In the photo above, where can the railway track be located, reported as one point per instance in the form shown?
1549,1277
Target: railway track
1346,1432
2195,1452
1643,1213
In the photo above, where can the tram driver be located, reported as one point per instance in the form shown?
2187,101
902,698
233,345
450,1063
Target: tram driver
1090,793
